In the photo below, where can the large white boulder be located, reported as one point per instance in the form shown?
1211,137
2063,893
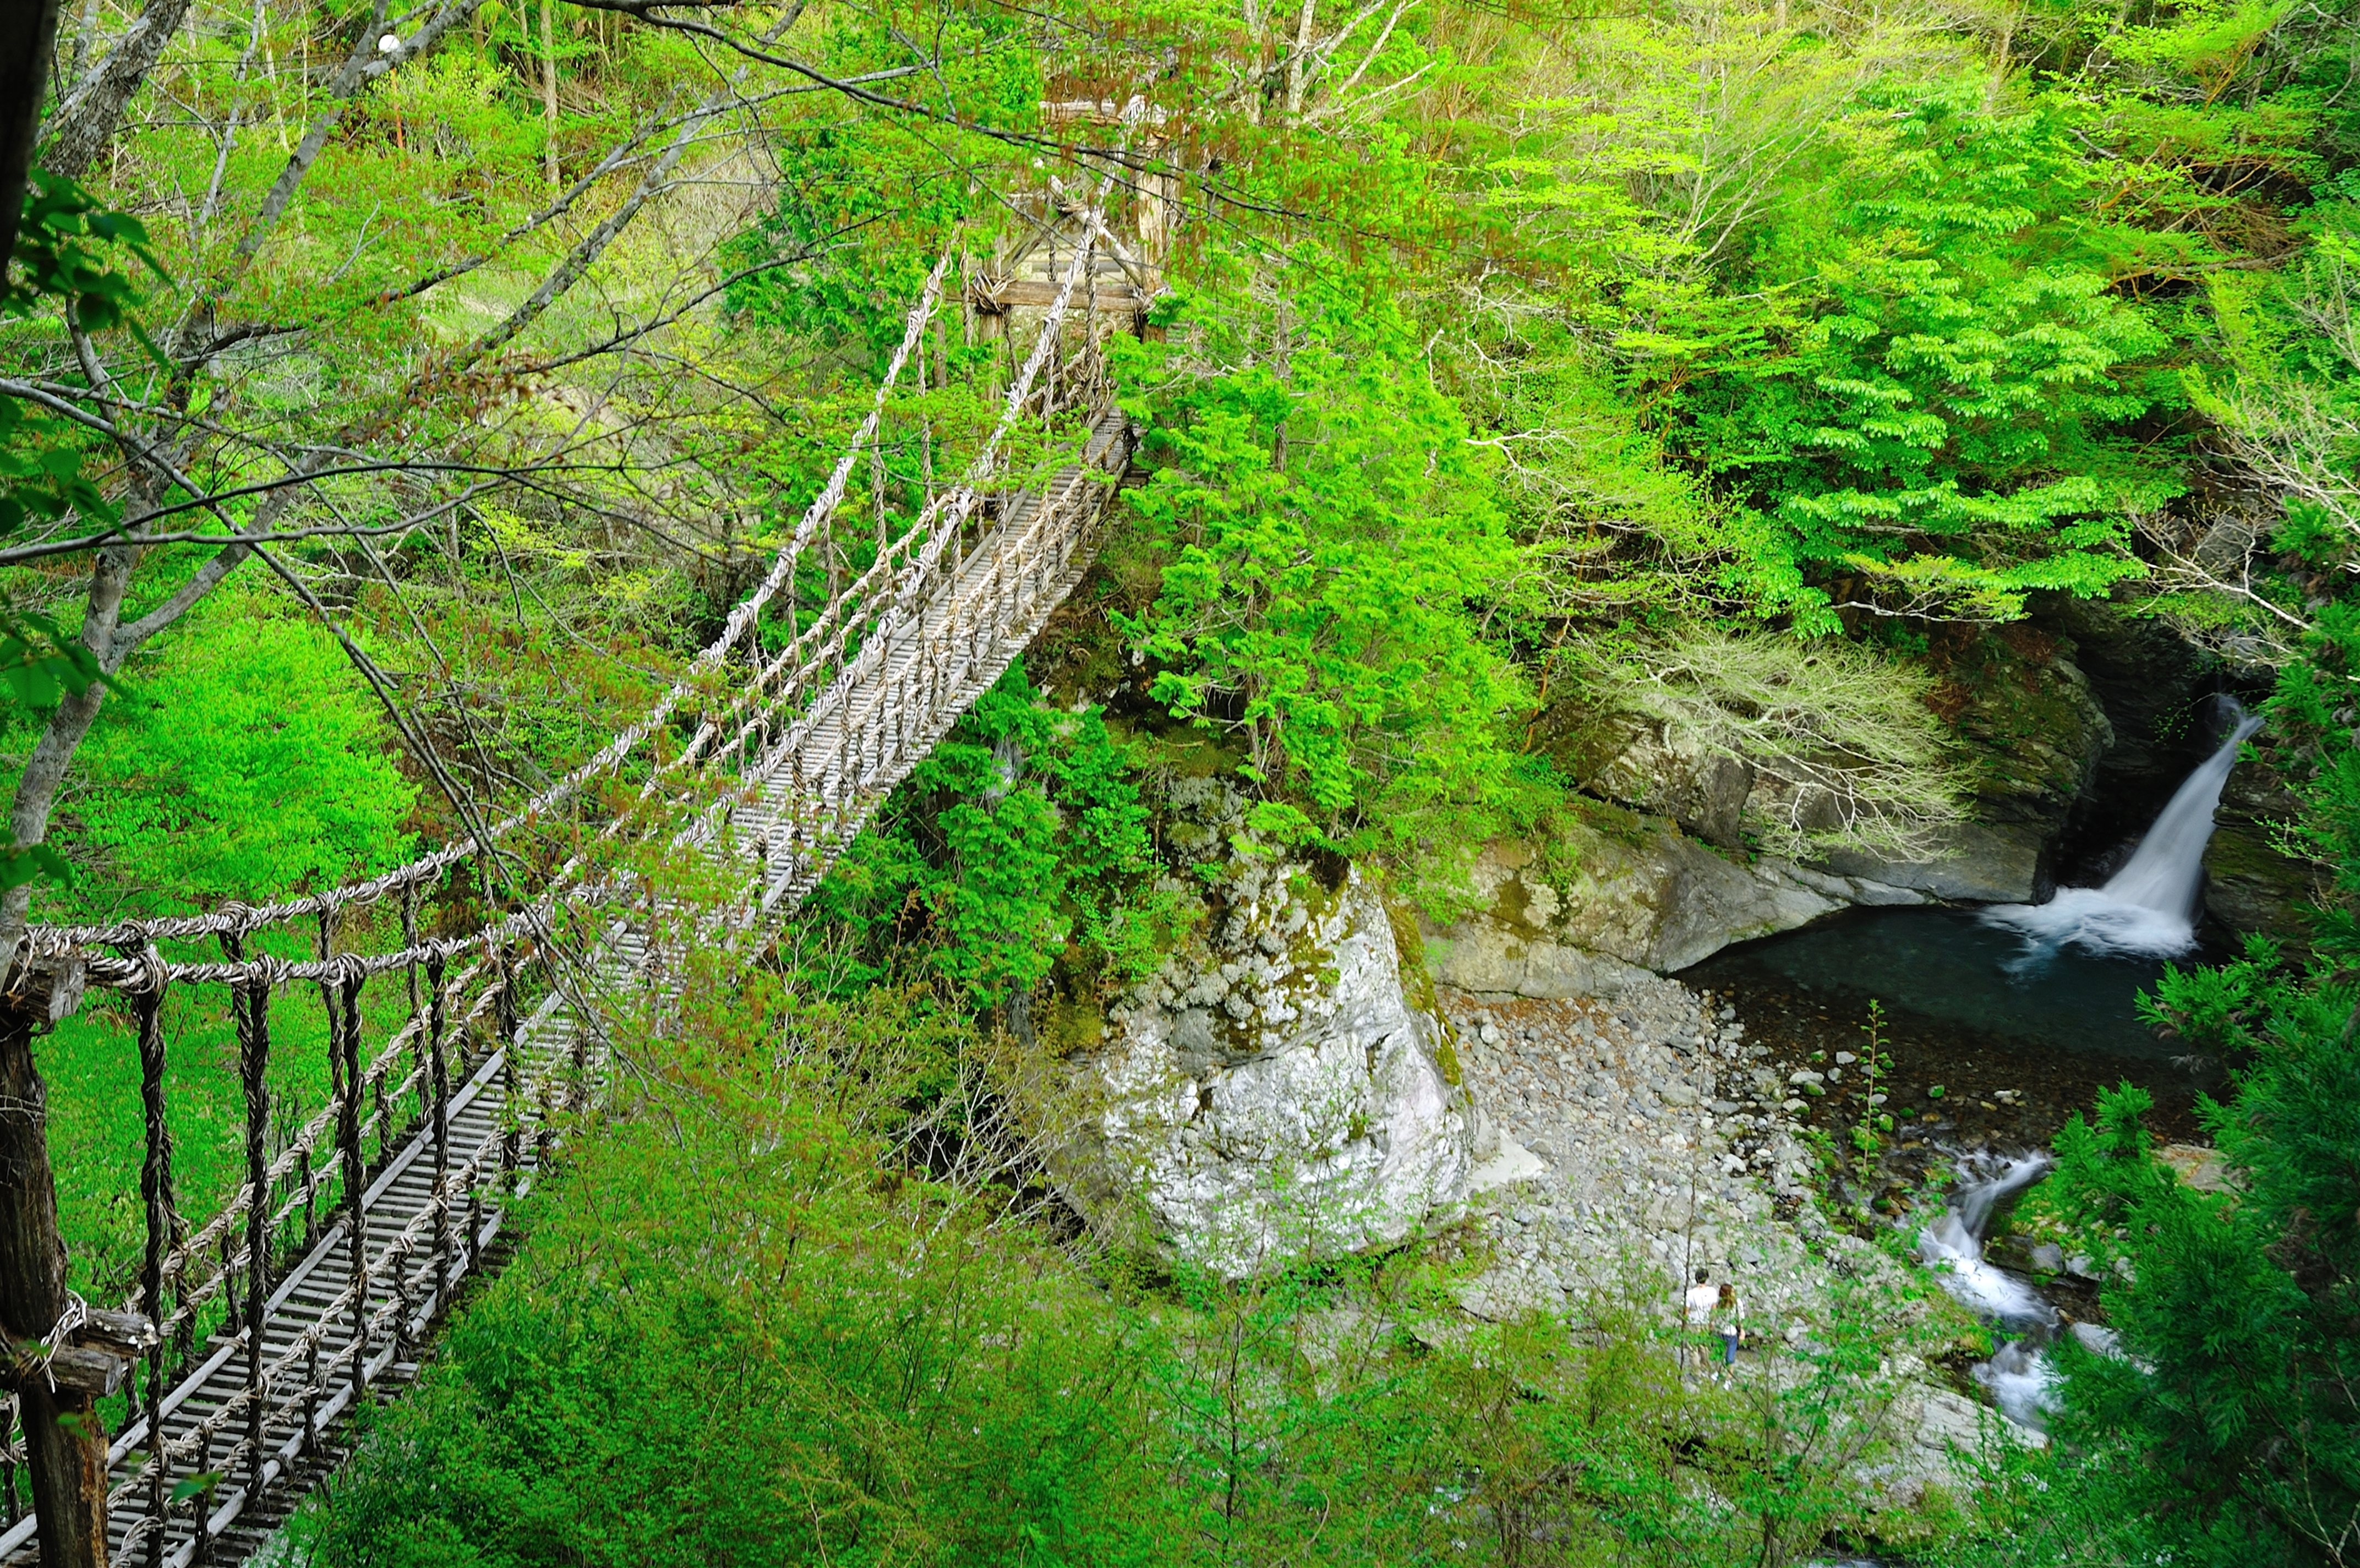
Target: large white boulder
1272,1095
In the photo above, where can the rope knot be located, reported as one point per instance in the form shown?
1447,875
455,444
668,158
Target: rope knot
151,973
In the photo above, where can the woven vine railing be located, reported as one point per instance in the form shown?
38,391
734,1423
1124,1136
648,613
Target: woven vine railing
317,1283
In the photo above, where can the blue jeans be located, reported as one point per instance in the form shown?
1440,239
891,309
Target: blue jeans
1729,1342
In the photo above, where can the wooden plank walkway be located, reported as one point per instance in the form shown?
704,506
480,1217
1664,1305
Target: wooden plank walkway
344,1323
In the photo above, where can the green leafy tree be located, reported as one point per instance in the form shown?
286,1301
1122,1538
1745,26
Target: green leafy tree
64,256
1327,537
1929,386
1020,840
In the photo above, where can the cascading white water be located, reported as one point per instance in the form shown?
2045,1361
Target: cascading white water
2018,1374
2149,906
1953,1244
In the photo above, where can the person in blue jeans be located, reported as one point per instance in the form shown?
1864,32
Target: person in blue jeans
1729,1321
1706,1306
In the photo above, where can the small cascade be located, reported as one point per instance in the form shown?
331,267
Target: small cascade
2148,907
2018,1375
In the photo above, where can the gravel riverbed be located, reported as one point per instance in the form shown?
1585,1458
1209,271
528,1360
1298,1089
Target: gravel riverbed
1644,1137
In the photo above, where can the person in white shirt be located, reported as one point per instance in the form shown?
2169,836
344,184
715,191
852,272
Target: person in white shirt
1707,1305
1697,1308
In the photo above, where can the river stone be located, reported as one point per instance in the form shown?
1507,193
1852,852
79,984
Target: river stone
1321,1114
2197,1165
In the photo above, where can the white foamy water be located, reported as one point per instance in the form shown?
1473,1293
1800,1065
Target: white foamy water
2021,1381
1952,1246
2149,908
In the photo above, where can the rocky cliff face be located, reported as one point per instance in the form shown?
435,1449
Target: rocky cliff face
2250,884
2030,728
1281,1089
2066,767
1612,895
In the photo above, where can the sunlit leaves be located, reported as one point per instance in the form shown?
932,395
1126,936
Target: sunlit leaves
1942,392
1326,533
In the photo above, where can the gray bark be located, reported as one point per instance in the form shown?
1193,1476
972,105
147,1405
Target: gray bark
64,1442
45,771
92,113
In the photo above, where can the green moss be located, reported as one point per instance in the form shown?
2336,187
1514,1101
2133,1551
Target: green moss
1559,851
1074,1026
1417,984
1198,752
1409,945
1631,829
1446,1058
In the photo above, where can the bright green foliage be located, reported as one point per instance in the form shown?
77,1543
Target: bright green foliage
2235,1416
1931,385
726,1340
1326,536
62,251
2239,1317
252,762
1577,344
1020,840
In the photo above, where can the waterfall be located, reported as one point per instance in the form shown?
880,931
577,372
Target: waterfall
2018,1375
1953,1244
2149,906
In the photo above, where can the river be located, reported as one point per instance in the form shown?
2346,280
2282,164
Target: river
1999,1023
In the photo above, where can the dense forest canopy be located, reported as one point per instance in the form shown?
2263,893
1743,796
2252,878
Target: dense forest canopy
395,401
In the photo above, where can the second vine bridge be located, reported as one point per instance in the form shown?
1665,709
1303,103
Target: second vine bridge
254,1334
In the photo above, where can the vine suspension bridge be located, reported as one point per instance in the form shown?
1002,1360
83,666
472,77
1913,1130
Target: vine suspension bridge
252,1335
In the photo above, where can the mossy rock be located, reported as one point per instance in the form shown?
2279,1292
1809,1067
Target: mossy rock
2250,886
1073,1027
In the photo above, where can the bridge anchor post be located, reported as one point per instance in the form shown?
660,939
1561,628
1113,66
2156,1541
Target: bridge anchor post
57,1388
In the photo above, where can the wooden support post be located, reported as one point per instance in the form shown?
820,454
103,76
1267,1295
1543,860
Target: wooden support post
402,1310
348,1138
65,1445
228,1281
505,1012
163,1226
12,1505
201,1500
312,1396
438,1062
581,1092
417,1013
251,999
308,1179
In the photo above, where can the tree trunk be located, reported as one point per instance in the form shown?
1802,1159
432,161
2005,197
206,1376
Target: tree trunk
88,121
28,35
63,1439
45,771
549,91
